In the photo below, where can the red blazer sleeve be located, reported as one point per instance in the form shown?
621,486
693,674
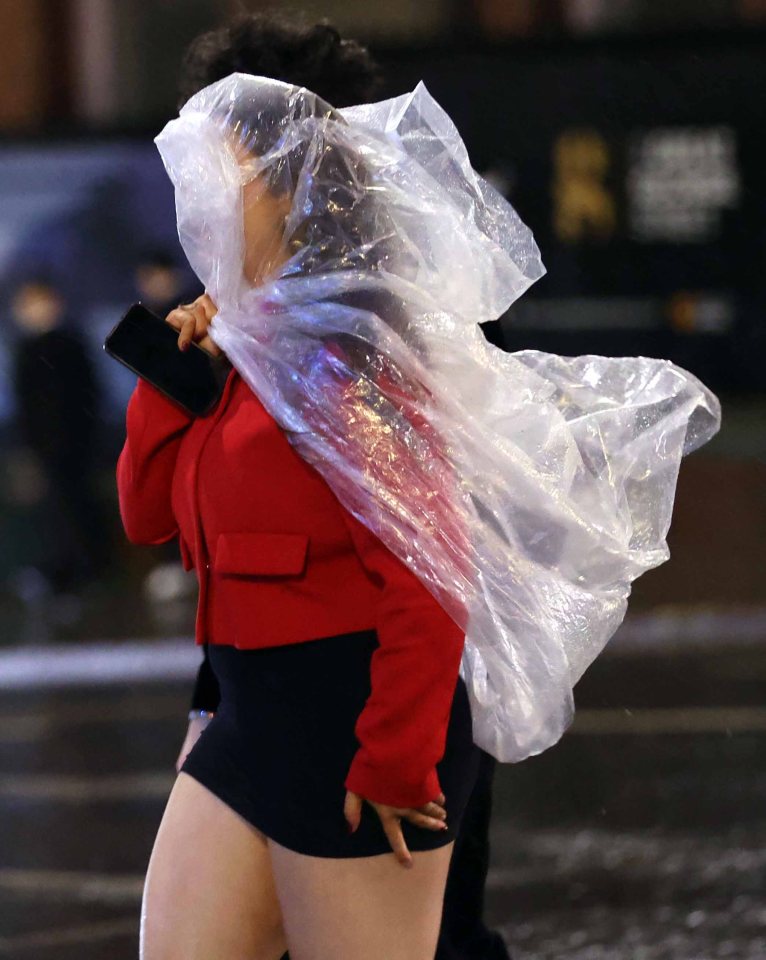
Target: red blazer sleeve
154,426
402,729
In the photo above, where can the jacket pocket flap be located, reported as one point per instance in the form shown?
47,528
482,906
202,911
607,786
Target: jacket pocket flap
261,553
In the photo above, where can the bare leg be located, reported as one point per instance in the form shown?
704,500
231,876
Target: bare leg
371,907
209,888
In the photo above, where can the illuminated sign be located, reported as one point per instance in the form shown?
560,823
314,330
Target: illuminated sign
679,180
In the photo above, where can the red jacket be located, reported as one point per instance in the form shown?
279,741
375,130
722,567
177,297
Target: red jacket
279,561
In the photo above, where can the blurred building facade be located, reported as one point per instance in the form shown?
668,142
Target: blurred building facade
627,133
96,63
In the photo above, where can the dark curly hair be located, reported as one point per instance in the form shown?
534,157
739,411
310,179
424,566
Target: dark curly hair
342,72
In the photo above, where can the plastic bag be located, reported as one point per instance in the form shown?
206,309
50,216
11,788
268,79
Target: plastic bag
352,255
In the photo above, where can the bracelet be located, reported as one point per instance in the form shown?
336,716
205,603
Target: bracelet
195,714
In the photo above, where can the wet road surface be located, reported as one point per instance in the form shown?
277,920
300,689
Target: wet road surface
640,836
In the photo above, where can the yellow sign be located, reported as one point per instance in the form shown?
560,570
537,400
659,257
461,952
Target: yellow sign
583,205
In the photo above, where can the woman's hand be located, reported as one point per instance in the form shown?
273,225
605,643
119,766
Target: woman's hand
432,816
196,726
192,321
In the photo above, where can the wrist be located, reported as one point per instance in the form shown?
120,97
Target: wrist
386,783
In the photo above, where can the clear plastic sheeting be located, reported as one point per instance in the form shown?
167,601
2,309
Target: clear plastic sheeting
352,255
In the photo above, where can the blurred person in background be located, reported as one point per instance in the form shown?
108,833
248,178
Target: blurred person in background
58,403
341,72
161,285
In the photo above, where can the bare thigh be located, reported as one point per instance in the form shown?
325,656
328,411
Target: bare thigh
209,888
371,907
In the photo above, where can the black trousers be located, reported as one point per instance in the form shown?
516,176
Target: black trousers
80,540
463,934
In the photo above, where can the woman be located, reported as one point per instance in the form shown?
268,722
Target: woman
342,748
507,504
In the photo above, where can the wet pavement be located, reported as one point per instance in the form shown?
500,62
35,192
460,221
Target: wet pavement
640,836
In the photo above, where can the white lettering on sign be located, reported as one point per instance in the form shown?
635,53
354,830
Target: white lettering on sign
679,181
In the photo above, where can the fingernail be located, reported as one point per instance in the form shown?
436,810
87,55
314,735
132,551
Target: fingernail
444,826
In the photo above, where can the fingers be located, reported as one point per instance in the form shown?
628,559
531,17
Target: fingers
194,325
393,830
352,810
185,320
433,810
208,306
192,319
421,820
389,819
176,317
431,816
210,345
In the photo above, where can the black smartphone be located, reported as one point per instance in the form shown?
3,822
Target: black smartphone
148,346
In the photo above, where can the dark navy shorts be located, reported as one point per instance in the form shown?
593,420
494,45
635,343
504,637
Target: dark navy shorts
279,748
